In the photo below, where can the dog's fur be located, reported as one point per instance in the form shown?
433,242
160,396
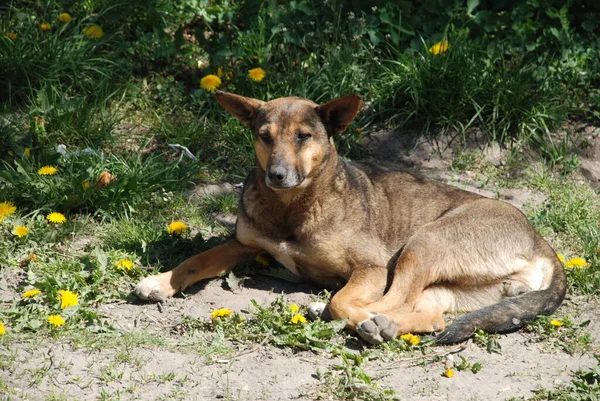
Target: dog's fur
405,249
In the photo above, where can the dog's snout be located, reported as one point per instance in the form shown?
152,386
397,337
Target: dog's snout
277,173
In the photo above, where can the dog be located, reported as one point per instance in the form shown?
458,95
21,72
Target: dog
403,249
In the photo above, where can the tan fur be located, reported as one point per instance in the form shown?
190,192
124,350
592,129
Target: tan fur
403,249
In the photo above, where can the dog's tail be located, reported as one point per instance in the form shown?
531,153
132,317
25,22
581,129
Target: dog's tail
510,313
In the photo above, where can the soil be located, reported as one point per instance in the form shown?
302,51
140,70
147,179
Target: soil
261,372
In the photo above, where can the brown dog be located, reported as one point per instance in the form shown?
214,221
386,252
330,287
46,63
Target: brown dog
405,249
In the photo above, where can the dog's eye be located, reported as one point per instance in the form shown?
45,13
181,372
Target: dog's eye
303,136
265,138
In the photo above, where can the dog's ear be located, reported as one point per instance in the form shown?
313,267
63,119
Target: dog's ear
240,107
337,114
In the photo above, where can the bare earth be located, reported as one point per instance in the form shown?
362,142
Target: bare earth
190,367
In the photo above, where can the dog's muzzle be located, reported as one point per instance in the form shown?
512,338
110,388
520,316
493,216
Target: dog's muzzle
280,176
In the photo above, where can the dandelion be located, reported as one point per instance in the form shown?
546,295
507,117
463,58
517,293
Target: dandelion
45,27
261,260
56,218
86,184
439,47
414,340
31,293
257,74
560,257
2,329
6,209
556,323
56,320
575,263
11,35
27,152
449,373
21,231
406,337
94,31
64,17
210,82
67,298
298,319
293,308
177,227
217,313
124,264
47,170
220,72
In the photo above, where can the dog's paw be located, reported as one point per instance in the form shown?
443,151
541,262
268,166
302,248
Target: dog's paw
377,329
318,310
155,288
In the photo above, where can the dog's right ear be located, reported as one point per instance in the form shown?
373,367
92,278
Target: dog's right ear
240,107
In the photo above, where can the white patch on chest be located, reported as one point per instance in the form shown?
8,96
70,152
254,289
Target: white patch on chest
282,252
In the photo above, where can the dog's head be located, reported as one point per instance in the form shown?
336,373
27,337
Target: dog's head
293,136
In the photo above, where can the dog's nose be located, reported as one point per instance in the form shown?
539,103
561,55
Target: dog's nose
277,174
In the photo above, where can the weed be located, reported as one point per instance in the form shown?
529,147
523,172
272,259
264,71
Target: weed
487,341
562,334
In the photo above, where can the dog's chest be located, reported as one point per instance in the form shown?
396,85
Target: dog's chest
309,261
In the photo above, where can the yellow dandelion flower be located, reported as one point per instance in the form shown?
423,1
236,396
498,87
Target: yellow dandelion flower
414,340
6,209
21,231
261,260
293,308
298,319
439,48
177,227
86,184
27,152
31,293
575,263
2,329
220,72
56,320
560,257
449,373
47,170
217,313
64,17
257,74
94,31
56,218
210,82
406,337
67,298
11,35
124,264
556,323
45,27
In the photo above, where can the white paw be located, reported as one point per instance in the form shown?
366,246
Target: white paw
155,288
316,309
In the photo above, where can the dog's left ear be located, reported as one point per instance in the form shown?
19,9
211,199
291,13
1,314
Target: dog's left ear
337,114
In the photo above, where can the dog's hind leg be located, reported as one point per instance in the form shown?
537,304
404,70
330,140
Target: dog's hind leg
211,263
365,286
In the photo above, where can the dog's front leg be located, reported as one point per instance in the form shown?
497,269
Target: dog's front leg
365,286
211,263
